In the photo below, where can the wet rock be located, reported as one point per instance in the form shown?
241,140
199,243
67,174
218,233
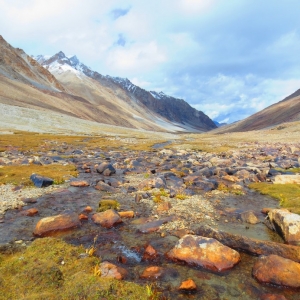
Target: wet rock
83,217
150,253
204,252
81,183
188,286
252,246
287,224
249,217
41,181
109,270
153,272
272,297
106,168
60,222
277,270
285,179
88,209
30,212
107,219
126,214
154,225
102,186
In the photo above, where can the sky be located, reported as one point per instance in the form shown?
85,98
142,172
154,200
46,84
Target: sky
227,58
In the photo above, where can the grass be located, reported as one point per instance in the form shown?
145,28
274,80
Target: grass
20,175
108,204
293,170
287,194
52,269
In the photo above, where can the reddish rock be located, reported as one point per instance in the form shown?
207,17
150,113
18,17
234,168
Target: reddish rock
88,209
108,218
272,297
288,223
83,217
61,222
30,212
81,183
109,270
204,252
102,186
150,253
165,206
126,214
154,225
266,210
188,286
152,272
277,270
231,178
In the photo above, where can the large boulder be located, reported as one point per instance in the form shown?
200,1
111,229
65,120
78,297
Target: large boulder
287,224
277,270
61,222
204,252
107,219
106,168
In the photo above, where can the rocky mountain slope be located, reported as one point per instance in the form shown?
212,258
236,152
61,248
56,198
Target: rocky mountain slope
174,110
286,110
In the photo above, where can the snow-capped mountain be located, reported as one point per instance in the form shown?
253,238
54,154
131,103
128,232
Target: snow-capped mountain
171,109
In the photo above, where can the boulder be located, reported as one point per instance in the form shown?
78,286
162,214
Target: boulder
106,166
109,270
252,246
102,186
107,219
287,224
204,252
60,222
277,270
284,179
41,181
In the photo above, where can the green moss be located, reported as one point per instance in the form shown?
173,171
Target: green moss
21,174
108,204
287,194
51,269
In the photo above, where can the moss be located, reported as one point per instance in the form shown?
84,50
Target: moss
108,204
287,194
51,269
21,174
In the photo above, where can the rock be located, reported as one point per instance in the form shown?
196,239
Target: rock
60,222
277,270
83,217
126,214
252,246
204,252
41,181
152,272
107,219
150,253
266,210
88,209
165,206
106,166
287,224
188,286
231,178
284,179
249,217
29,200
154,225
272,297
109,270
81,183
30,212
102,186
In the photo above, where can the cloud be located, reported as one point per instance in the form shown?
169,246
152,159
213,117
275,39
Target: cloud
227,58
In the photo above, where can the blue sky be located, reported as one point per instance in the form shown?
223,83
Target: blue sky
227,58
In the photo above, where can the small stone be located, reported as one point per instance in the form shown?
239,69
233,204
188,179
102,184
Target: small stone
81,183
109,270
152,272
126,214
30,212
249,217
107,219
88,209
188,286
41,181
83,217
150,253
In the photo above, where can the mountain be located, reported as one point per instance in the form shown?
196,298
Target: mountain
286,110
159,106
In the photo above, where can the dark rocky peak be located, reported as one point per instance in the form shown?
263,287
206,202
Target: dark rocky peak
74,61
125,83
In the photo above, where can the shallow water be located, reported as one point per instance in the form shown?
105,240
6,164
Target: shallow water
124,244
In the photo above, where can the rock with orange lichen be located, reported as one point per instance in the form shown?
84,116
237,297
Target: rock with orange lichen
188,286
108,218
204,252
153,272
